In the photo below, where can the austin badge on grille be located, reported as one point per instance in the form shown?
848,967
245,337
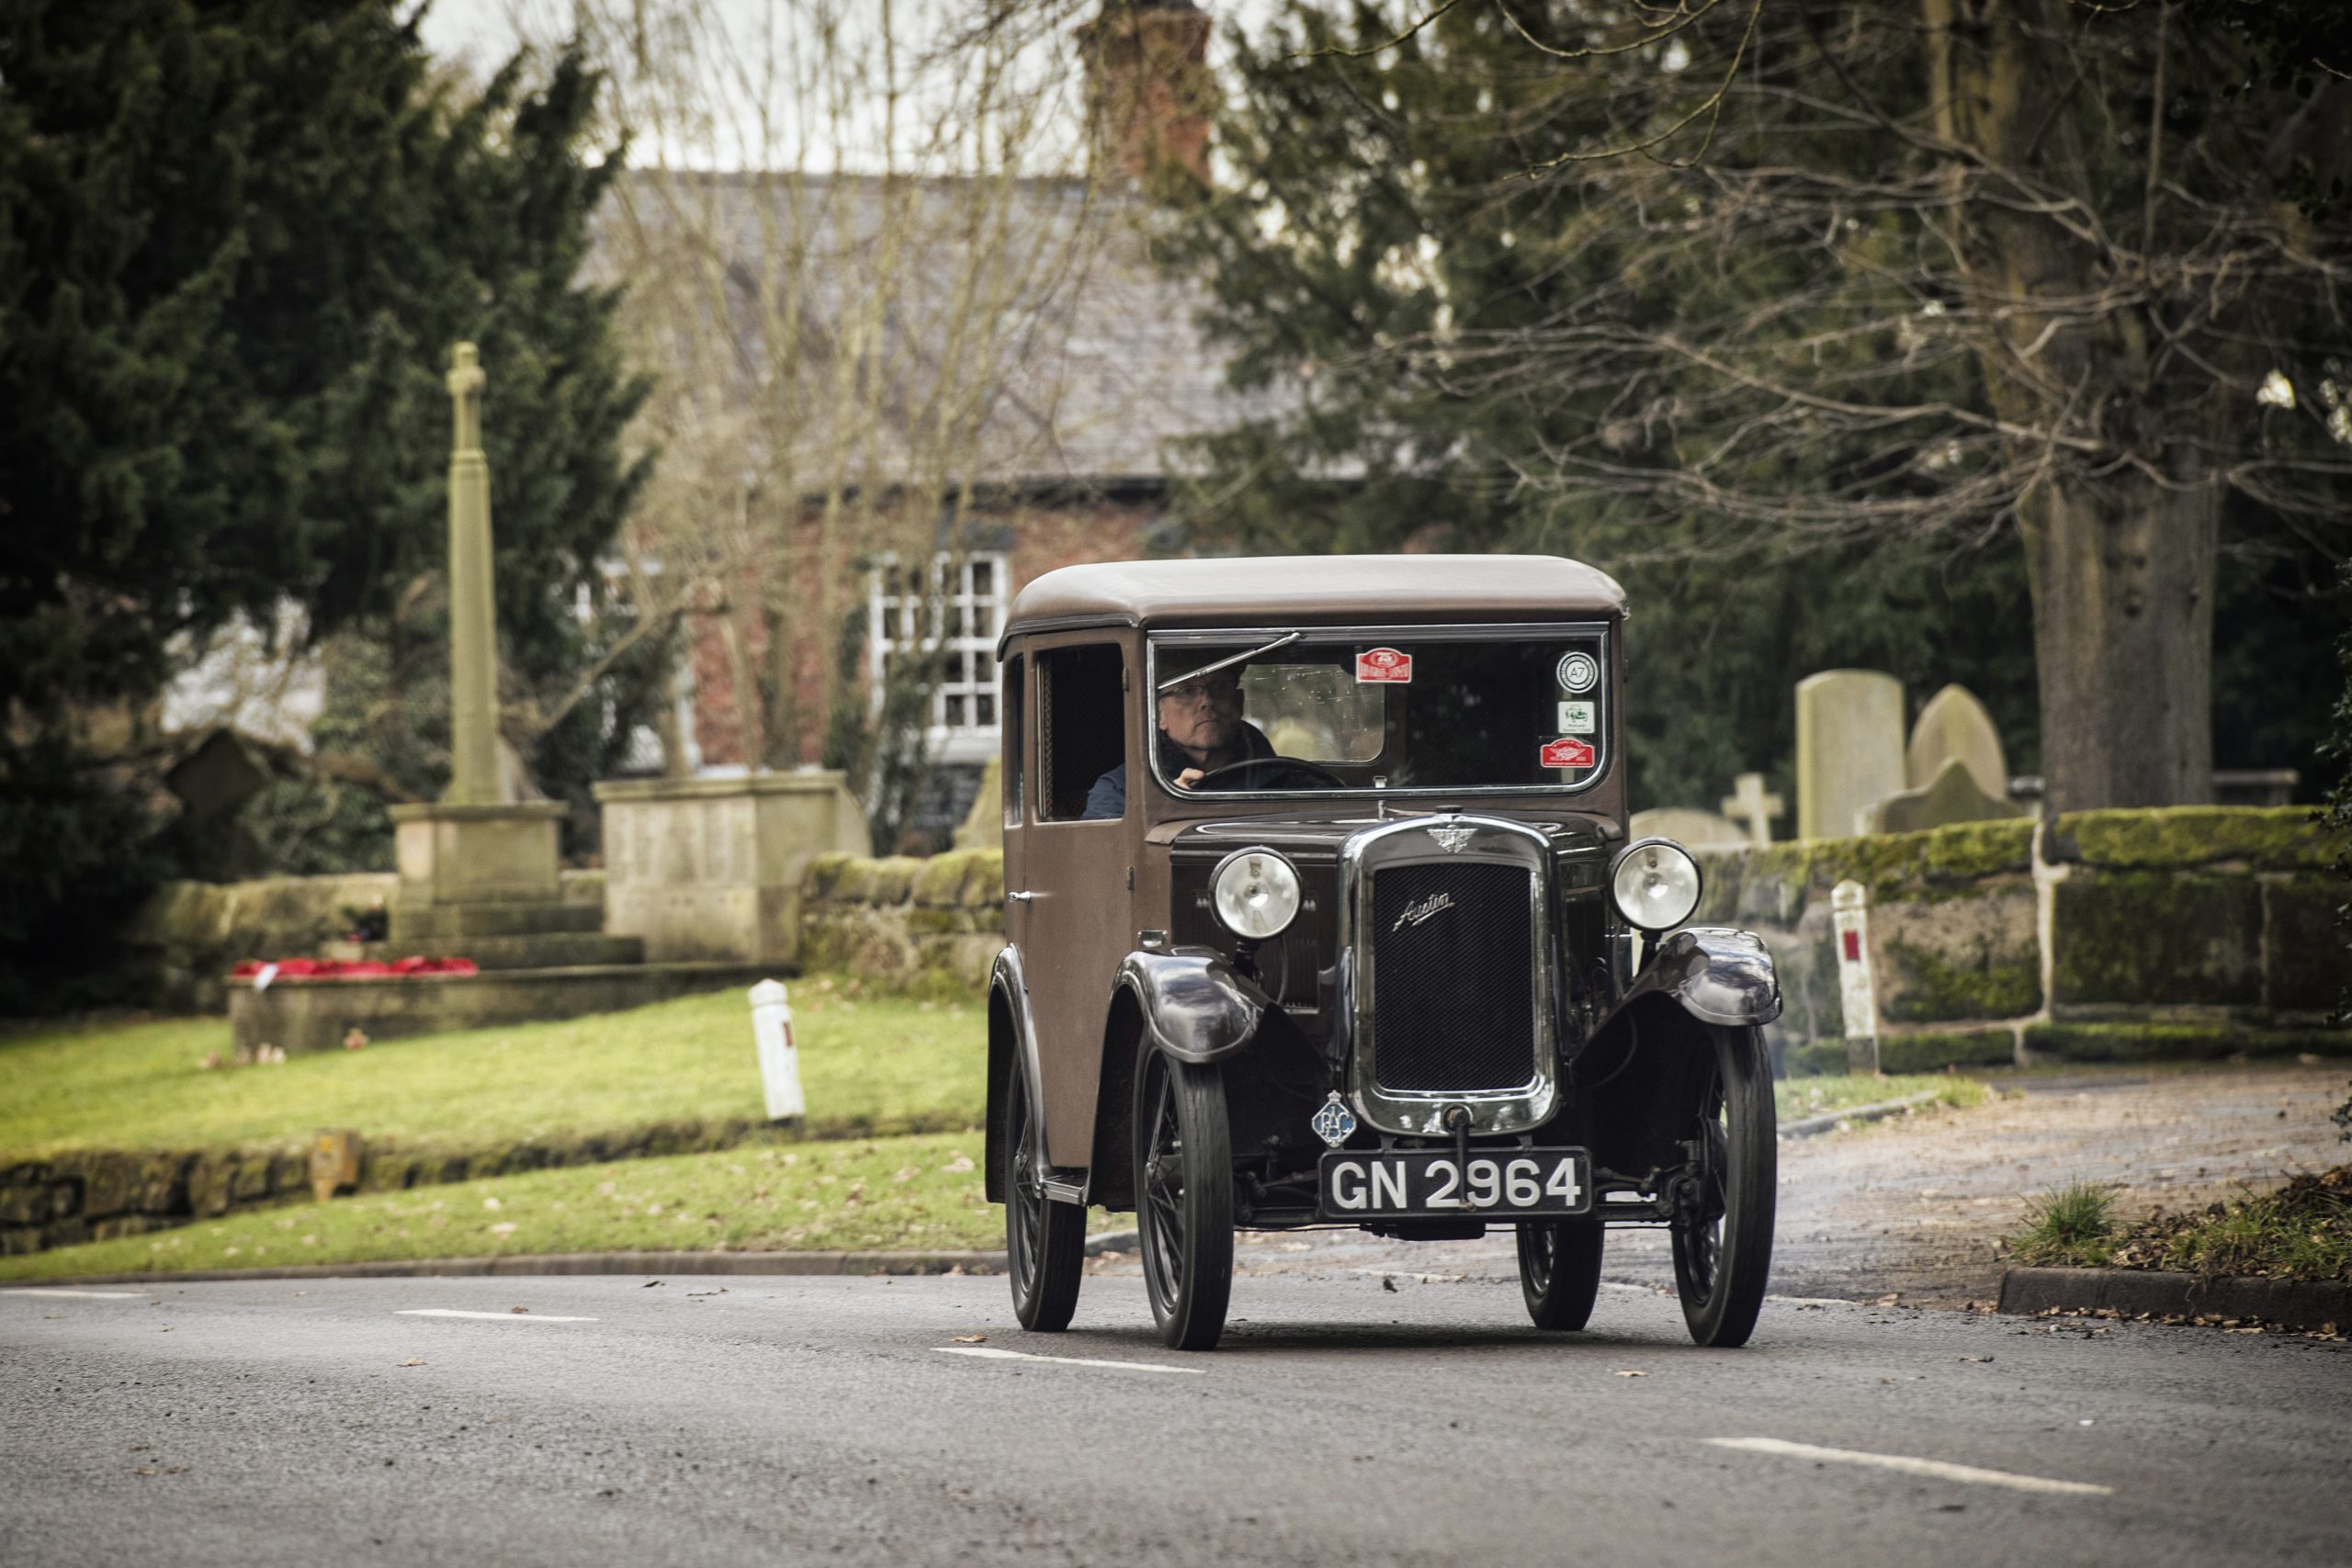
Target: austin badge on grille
1450,839
1334,1123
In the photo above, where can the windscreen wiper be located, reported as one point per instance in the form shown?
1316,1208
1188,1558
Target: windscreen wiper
1282,642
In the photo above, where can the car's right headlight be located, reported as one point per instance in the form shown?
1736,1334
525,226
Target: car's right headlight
1255,893
1656,884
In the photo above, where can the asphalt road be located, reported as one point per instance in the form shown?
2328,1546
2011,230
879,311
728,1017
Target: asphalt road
1345,1421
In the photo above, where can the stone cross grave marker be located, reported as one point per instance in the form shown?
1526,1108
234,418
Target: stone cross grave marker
1849,748
1749,805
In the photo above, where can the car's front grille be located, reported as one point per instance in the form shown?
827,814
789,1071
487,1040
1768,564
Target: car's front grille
1453,978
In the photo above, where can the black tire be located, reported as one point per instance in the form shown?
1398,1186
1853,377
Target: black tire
1184,1197
1559,1270
1044,1242
1722,1229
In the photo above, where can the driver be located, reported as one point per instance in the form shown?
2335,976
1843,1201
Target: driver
1201,730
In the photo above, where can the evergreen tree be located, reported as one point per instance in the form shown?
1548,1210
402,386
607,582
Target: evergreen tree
236,239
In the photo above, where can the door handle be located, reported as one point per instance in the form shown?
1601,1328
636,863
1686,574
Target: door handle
1018,897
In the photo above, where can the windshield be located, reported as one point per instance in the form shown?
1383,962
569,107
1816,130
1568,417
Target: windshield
1506,707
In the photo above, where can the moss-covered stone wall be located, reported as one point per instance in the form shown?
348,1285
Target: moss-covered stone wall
2192,931
922,925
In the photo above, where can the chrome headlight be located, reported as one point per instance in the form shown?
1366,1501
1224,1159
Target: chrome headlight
1255,893
1656,884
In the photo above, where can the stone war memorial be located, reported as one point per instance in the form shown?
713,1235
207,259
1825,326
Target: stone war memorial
706,872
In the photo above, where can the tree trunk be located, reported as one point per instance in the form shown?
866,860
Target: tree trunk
2122,575
2122,565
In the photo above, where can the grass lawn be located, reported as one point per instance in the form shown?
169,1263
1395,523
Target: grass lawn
879,1194
1793,1097
868,1066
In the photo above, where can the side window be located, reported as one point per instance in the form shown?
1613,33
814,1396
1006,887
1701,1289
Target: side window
1081,725
1016,748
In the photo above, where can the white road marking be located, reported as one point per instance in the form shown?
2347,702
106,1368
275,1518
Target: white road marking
1934,1468
492,1316
94,1295
989,1353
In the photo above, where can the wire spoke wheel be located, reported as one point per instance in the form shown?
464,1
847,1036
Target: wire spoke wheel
1559,1270
1184,1197
1044,1242
1721,1228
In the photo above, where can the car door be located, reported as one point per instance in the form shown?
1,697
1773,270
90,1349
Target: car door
1074,904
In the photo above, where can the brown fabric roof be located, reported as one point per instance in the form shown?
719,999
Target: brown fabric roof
1276,591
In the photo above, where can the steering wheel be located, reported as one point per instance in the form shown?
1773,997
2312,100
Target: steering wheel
1327,774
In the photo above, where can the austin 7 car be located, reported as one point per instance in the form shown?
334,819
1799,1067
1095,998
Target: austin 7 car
1320,911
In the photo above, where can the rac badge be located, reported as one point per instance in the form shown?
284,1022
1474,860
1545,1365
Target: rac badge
1450,839
1335,1123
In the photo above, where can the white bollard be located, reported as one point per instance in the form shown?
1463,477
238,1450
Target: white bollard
779,1062
1850,903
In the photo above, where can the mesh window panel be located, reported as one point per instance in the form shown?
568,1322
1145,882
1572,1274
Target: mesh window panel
1452,1008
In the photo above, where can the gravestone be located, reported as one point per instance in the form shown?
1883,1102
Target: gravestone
1953,796
1955,724
1749,805
1849,748
1691,828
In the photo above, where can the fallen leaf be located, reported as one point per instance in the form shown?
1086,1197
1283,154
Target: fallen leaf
1387,1284
518,1309
411,1362
1633,1374
650,1283
146,1469
970,1339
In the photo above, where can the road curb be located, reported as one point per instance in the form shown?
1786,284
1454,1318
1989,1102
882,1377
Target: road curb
2129,1293
1829,1120
800,1263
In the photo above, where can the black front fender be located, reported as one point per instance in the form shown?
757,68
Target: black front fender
1195,1006
1719,976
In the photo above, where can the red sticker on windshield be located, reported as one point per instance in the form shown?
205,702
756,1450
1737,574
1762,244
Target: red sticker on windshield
1567,751
1384,666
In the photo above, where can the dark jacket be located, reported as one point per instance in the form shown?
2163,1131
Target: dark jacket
1108,798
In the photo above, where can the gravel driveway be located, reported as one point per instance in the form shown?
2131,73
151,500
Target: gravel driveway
1913,1205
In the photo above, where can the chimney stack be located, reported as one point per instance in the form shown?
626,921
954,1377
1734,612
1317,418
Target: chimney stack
1148,87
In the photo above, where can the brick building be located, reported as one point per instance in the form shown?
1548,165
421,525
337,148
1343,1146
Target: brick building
1071,458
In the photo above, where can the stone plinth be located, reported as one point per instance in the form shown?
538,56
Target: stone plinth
454,858
315,1015
710,869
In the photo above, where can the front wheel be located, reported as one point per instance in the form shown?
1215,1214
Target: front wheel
1044,1242
1184,1197
1559,1270
1723,1224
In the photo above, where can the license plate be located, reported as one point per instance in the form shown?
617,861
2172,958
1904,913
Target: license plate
1435,1184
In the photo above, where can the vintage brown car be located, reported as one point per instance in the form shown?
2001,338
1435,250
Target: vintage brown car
1319,911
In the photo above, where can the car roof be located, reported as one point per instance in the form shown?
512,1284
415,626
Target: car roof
1279,591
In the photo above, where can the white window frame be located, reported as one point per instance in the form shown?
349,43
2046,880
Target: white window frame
947,587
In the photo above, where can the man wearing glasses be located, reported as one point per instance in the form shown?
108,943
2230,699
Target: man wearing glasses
1200,732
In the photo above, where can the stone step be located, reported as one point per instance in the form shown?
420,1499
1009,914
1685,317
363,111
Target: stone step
540,949
414,928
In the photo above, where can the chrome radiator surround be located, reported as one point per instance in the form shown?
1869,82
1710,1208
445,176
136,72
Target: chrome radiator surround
1423,841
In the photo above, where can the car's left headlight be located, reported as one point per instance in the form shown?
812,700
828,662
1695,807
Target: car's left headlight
1656,884
1255,893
